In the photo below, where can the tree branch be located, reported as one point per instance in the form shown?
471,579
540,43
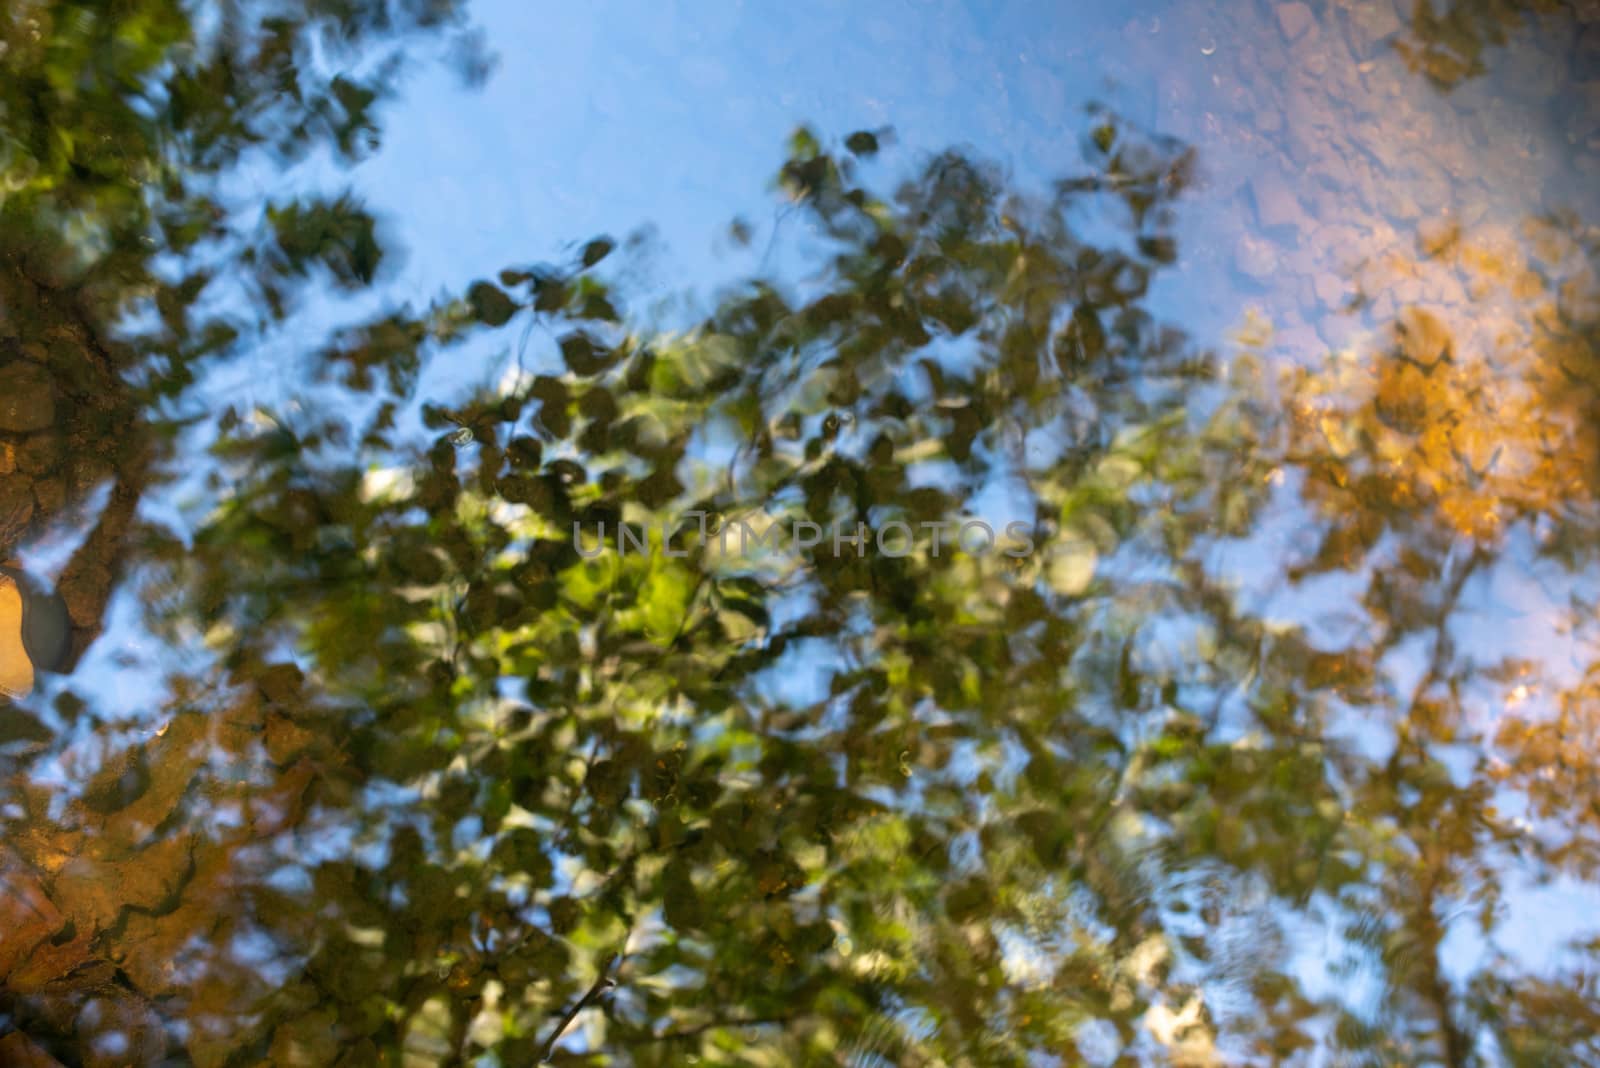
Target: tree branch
602,983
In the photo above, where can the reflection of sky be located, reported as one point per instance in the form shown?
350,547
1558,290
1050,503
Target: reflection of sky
674,115
612,117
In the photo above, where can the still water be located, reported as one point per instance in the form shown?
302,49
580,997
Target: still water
1262,339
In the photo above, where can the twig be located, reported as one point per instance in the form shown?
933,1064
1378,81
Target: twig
602,983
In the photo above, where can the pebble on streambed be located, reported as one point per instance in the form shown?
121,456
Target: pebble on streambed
34,632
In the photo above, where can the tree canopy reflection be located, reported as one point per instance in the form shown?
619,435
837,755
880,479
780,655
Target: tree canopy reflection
423,782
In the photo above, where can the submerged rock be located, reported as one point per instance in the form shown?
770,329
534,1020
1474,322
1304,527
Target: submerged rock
34,632
27,398
1294,19
1255,258
1372,24
16,508
16,669
1276,205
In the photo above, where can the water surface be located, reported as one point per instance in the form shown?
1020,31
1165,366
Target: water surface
337,341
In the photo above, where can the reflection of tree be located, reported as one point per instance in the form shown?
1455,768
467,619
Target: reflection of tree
118,132
1444,458
1488,430
427,782
769,858
1446,42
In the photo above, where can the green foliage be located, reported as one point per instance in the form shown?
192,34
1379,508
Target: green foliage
428,785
